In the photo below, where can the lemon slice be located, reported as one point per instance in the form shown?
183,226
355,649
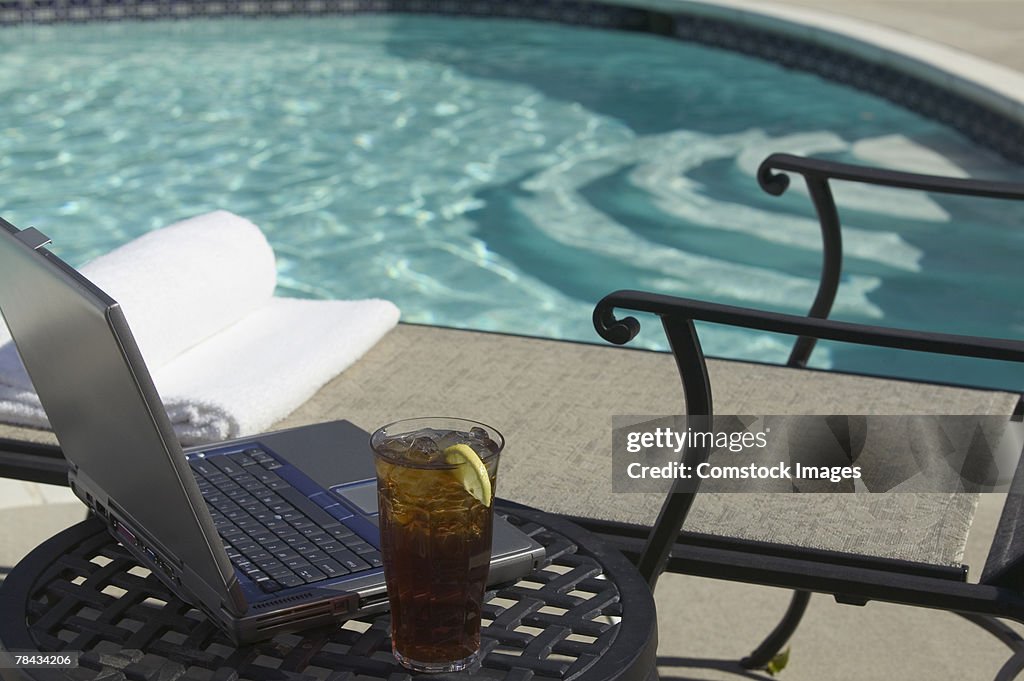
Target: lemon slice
471,472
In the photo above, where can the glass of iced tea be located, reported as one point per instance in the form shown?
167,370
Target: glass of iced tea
435,484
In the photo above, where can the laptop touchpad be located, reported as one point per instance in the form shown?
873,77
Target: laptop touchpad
362,495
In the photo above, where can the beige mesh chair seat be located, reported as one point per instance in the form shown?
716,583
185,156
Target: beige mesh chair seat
554,402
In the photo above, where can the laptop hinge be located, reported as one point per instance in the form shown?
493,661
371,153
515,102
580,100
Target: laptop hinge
33,238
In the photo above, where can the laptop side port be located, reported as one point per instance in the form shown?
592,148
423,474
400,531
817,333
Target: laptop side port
126,536
373,602
293,616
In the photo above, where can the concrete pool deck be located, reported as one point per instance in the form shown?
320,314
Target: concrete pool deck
990,29
709,619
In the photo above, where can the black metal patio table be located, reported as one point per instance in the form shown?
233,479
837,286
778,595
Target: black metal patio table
585,614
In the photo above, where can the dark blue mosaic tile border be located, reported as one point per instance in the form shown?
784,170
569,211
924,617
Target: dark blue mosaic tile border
59,11
984,126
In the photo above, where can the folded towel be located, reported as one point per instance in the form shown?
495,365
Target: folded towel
227,358
178,285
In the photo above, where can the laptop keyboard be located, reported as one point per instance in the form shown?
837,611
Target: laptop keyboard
272,532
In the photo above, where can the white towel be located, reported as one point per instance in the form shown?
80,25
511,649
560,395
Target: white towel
227,358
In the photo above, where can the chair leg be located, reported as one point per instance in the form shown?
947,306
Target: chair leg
998,629
774,642
1012,668
1015,665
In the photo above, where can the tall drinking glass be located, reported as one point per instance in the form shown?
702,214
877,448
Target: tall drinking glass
435,484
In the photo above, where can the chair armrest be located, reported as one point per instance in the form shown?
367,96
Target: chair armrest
775,183
622,331
817,173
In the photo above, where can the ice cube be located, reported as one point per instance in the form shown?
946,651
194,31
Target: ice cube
395,445
447,438
425,445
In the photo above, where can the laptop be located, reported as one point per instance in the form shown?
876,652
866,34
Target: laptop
266,534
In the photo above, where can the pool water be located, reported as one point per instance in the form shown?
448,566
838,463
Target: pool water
502,175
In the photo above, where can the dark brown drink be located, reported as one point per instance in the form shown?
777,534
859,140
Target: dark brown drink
435,482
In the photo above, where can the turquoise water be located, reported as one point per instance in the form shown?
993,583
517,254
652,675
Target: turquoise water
501,175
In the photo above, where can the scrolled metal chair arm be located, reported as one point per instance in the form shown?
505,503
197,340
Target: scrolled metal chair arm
689,309
771,176
774,183
614,330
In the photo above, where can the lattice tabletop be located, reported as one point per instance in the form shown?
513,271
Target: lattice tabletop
584,615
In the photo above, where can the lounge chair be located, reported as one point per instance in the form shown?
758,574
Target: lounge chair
928,574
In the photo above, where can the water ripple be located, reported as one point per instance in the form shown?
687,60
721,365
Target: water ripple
502,178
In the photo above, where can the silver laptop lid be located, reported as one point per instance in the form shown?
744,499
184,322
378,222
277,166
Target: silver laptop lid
104,409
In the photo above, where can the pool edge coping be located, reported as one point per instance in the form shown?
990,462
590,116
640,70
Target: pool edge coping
994,86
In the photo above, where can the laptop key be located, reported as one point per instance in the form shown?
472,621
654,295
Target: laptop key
350,560
270,564
341,532
217,479
246,499
265,476
243,459
226,465
274,524
373,558
262,538
314,533
279,572
250,483
268,585
231,532
310,574
257,454
249,524
202,467
330,568
311,509
287,532
246,545
361,547
303,549
290,580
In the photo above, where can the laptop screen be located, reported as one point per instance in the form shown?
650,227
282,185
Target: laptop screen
104,409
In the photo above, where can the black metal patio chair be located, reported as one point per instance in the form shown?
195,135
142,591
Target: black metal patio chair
849,577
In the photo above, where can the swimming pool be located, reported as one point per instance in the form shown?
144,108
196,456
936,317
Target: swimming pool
497,174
